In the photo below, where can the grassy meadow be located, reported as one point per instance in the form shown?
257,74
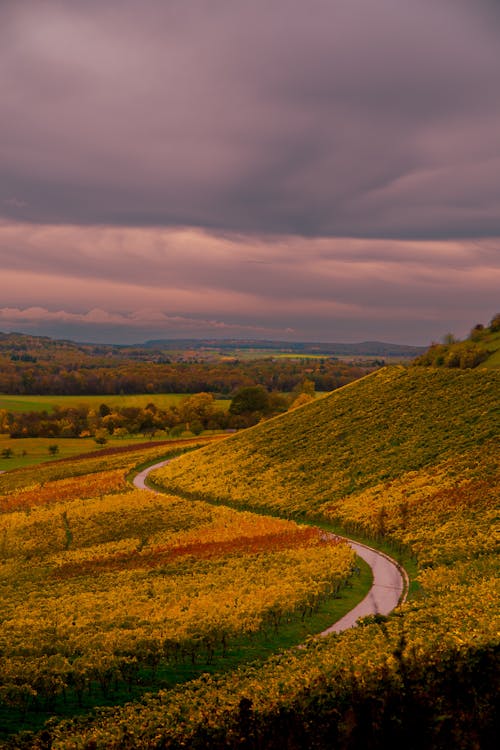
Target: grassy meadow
48,403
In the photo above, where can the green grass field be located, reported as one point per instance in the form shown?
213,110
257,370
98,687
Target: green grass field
47,403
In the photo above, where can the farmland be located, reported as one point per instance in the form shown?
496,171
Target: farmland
33,451
107,591
373,431
140,400
31,365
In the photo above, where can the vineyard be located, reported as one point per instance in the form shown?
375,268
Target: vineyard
104,587
394,421
101,589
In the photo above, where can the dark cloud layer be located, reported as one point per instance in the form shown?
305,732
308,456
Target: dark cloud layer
320,170
350,118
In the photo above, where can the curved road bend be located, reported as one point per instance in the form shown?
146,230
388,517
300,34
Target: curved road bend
390,582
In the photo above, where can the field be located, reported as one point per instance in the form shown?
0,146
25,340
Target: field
152,606
33,451
47,403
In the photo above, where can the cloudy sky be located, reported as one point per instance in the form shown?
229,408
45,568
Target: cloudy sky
324,170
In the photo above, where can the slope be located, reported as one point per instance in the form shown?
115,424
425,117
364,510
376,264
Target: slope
404,455
374,430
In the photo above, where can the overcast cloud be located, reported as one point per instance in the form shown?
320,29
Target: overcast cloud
321,170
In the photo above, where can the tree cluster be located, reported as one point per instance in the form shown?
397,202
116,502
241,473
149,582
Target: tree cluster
462,354
78,372
194,414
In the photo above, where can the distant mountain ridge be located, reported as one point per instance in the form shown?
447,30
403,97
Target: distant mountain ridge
24,342
364,348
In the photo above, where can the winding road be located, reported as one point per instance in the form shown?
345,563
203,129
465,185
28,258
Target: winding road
390,581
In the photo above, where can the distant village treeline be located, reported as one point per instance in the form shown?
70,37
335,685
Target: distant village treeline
193,414
37,366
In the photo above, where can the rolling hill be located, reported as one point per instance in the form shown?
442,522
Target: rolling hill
374,430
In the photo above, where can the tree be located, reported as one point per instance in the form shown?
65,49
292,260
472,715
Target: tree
305,386
448,339
477,332
196,427
302,398
249,400
495,323
104,410
199,407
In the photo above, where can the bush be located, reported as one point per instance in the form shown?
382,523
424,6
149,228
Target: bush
495,323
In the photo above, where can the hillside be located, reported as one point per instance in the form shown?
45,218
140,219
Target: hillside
409,458
374,430
480,349
405,457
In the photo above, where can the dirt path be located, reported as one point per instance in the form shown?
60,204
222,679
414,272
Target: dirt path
390,582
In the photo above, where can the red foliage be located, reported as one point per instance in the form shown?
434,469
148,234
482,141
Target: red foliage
198,550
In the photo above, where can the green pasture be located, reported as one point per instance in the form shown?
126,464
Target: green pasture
48,403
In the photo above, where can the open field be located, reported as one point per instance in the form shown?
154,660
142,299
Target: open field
47,403
32,451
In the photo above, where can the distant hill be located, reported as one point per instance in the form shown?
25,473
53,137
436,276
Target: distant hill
45,347
364,348
41,365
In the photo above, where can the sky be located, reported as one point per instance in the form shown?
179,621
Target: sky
325,170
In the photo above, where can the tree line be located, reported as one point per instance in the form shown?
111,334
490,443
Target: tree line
85,376
194,414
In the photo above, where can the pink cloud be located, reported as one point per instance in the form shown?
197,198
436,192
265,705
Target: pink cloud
178,279
141,319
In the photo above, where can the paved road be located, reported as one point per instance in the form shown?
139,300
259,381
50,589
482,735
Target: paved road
389,586
390,581
139,480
